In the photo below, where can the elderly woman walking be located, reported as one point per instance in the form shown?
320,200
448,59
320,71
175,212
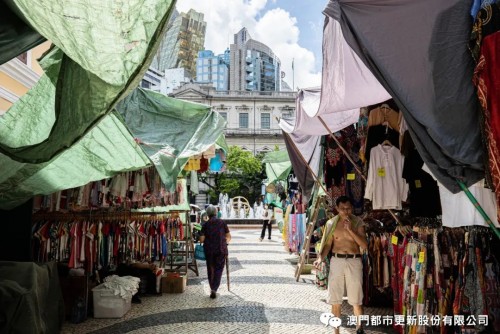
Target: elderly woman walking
215,236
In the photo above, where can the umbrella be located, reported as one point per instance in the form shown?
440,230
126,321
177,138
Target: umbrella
195,207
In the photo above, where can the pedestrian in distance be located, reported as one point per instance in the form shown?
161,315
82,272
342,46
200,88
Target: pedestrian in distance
267,216
345,239
215,237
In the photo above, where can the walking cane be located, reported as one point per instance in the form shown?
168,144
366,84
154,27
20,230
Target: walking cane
227,273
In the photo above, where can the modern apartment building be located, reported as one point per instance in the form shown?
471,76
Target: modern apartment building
213,69
180,45
253,65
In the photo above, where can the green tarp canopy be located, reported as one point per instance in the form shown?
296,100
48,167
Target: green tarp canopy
102,50
278,165
107,149
170,131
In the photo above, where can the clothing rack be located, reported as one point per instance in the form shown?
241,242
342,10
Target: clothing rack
120,236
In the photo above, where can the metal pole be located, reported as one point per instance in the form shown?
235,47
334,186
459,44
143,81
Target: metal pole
352,162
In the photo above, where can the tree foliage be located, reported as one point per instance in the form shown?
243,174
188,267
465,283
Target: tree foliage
243,176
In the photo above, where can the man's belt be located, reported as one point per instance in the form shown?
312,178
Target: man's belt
346,256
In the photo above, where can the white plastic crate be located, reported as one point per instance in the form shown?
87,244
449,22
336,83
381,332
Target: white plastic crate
108,305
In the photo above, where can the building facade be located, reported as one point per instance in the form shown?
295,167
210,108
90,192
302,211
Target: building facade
18,75
213,69
154,80
175,77
251,116
253,65
180,45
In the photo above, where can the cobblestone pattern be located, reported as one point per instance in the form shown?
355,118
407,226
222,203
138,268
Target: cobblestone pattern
264,298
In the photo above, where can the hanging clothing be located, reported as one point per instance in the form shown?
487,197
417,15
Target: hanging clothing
376,135
216,163
384,114
485,46
203,165
385,186
193,164
194,183
341,176
458,210
423,189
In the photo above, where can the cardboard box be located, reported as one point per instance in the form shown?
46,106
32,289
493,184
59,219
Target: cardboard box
173,283
107,305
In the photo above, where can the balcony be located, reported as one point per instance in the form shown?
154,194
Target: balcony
235,93
239,132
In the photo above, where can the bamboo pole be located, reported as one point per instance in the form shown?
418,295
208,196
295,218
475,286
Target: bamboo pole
479,208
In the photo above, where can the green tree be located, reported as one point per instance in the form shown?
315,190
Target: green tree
243,176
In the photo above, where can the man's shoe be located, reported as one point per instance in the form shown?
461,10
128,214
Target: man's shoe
360,331
213,294
260,239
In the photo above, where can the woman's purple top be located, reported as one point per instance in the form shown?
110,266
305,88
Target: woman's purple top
215,236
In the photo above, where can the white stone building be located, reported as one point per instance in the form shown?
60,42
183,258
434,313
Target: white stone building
251,115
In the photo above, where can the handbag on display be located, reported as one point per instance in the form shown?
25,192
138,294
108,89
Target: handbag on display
199,252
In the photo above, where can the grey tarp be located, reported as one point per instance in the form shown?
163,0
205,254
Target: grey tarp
104,151
170,130
418,52
103,50
309,147
278,165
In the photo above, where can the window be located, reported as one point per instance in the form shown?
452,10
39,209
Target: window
244,120
265,120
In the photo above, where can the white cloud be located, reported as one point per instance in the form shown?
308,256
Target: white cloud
275,28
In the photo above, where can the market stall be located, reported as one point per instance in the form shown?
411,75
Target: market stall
433,254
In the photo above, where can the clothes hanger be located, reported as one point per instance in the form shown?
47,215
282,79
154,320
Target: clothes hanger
386,143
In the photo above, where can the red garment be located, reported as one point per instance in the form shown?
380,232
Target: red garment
487,80
203,165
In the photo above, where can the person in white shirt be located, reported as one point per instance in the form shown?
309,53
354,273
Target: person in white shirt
267,215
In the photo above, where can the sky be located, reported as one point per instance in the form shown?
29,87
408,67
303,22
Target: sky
293,29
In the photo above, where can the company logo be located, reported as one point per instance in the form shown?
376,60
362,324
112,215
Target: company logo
328,319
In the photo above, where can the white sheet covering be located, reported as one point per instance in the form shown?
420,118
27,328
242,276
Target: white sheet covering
346,83
125,286
458,210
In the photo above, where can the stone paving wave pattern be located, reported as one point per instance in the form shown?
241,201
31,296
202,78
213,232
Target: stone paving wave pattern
264,298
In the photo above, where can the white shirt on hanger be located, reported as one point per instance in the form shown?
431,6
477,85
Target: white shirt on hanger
385,186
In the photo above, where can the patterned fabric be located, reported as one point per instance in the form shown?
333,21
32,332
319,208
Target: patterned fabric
340,174
484,45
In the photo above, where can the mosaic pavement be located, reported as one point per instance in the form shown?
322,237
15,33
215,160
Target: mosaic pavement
264,298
